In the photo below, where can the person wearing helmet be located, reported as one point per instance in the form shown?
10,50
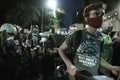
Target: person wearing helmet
9,50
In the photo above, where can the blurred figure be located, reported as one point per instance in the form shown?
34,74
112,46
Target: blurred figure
116,50
9,51
107,27
48,49
34,38
107,53
33,41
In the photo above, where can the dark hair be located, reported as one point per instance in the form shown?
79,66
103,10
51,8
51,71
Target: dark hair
93,6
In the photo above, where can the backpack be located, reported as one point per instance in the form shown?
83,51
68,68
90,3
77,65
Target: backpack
77,40
78,37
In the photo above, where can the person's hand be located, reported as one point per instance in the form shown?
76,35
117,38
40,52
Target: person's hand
71,69
115,70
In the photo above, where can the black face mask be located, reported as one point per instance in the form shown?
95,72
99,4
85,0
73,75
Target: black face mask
109,28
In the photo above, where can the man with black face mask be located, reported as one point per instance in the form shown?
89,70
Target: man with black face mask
88,48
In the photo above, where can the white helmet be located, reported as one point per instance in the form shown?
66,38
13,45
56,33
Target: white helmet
9,28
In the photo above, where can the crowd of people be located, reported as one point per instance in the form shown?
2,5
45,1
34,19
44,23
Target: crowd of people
23,53
63,55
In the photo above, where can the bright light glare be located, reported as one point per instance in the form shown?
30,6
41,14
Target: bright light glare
52,4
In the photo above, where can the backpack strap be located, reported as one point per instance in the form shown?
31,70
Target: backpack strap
77,39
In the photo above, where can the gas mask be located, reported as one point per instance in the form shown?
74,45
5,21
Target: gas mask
95,22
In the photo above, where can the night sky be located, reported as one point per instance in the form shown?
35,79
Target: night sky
71,7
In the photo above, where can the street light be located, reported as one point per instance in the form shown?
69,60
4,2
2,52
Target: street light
51,4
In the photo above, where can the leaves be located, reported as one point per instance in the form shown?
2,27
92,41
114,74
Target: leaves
23,14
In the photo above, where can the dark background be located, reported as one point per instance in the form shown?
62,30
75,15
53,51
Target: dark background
71,6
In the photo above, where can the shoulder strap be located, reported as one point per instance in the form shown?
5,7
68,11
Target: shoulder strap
77,39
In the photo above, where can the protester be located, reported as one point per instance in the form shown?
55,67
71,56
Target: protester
34,44
116,50
107,53
48,50
9,51
87,44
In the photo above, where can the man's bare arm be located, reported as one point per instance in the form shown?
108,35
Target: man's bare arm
61,50
114,69
71,69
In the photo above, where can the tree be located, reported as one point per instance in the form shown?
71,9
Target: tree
52,18
23,14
